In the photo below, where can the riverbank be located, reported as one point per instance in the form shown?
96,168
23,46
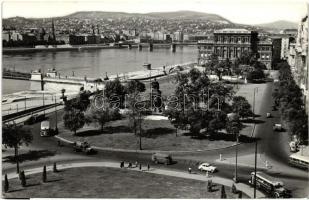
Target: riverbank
12,50
73,48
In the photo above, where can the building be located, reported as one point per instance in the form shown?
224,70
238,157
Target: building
277,42
300,69
265,53
289,32
285,46
178,36
228,43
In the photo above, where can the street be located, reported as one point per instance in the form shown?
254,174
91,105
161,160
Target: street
271,144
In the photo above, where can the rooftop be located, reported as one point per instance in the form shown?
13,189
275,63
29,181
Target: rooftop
233,30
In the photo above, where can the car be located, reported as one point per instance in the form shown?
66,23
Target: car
277,127
268,115
83,147
162,158
207,167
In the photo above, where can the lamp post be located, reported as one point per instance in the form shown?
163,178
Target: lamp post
56,114
236,156
255,160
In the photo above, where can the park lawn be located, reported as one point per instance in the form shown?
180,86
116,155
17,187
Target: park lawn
94,182
158,135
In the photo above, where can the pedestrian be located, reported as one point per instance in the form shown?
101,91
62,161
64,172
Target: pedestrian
130,165
136,163
189,170
140,166
121,164
148,166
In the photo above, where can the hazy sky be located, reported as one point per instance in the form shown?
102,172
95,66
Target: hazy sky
239,11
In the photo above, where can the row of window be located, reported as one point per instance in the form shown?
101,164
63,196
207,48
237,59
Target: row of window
231,39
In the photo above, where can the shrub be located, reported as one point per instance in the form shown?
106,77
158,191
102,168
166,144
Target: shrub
23,179
55,168
6,183
44,176
209,186
234,190
223,194
239,194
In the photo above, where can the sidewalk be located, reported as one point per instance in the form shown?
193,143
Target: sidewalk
247,161
227,182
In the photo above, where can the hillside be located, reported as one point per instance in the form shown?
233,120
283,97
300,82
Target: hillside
281,24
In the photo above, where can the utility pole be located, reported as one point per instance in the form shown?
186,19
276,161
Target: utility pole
43,103
25,102
140,131
56,114
254,194
236,154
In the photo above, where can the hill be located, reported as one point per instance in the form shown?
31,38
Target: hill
281,24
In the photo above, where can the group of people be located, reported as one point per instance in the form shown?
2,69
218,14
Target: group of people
130,165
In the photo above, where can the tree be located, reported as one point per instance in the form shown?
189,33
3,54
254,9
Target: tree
223,194
74,117
14,136
6,183
256,74
74,120
135,86
44,175
241,107
115,89
213,62
102,116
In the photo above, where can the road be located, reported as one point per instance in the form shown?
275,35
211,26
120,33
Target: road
272,145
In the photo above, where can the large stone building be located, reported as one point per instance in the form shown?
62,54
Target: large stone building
265,53
232,43
300,68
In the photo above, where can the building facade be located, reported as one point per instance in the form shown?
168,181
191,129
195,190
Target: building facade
230,44
265,53
300,68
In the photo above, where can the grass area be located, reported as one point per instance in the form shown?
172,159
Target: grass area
158,135
94,182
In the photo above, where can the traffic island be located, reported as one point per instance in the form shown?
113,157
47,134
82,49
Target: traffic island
109,182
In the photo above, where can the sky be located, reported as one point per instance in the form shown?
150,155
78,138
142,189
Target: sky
237,11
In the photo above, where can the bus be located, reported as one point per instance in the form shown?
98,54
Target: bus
270,185
299,161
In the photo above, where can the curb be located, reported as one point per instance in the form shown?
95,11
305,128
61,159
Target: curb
145,151
216,180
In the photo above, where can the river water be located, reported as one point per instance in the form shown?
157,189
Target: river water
93,63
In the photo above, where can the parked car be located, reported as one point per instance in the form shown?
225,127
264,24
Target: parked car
83,147
207,167
268,115
277,127
162,158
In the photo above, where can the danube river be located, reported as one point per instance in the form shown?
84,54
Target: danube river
93,63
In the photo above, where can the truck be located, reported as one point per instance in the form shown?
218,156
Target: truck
83,147
45,129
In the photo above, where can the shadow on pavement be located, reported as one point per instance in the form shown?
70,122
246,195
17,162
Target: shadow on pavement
30,156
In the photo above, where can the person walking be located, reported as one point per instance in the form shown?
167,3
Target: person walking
189,170
148,166
140,166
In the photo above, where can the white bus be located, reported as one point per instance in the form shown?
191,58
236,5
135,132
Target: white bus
270,185
299,160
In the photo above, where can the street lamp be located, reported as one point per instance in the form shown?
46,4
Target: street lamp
236,156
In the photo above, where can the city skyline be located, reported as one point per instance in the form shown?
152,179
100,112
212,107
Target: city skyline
239,11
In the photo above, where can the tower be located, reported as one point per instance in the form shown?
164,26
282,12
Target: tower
53,30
